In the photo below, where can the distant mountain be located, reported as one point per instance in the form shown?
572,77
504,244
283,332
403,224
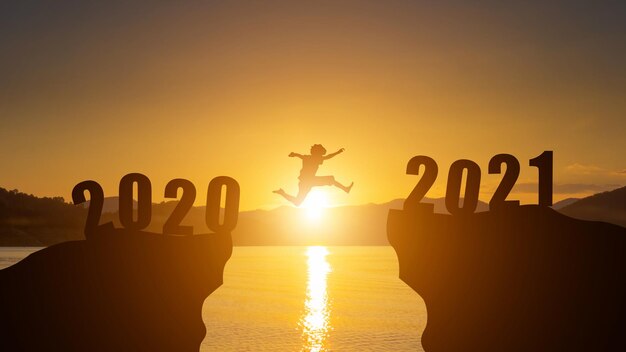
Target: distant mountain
607,206
346,225
287,225
26,220
111,204
563,203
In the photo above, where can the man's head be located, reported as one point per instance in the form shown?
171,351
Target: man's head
318,149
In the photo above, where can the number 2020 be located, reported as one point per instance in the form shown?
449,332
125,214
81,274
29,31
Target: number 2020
144,203
413,202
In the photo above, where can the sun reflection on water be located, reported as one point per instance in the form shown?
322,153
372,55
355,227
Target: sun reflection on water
315,321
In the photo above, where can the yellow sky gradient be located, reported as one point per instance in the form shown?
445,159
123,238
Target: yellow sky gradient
206,90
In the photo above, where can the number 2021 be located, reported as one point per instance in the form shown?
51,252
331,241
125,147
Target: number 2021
144,203
413,202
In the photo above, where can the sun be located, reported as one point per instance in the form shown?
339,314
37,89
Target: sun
315,204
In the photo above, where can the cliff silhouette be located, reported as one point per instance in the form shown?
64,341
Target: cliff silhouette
119,290
518,279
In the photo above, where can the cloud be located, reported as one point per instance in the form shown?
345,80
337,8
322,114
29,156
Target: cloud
581,169
567,188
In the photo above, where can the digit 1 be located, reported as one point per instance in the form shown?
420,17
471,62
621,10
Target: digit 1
544,163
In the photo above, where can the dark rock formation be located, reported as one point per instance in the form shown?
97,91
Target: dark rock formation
524,279
117,291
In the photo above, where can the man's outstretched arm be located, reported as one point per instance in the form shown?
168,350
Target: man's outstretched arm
335,153
297,155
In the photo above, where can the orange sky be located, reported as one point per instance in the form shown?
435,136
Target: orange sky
95,91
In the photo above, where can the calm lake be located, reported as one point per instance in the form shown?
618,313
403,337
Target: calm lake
307,299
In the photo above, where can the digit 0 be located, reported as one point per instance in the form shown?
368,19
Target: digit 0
144,201
231,204
472,187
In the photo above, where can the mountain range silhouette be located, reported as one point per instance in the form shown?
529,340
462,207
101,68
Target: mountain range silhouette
26,220
606,206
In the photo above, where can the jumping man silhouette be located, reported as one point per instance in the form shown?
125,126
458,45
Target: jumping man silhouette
308,179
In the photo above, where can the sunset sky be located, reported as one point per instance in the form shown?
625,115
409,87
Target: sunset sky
98,89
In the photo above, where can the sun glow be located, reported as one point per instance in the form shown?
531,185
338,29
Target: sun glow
315,204
315,322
